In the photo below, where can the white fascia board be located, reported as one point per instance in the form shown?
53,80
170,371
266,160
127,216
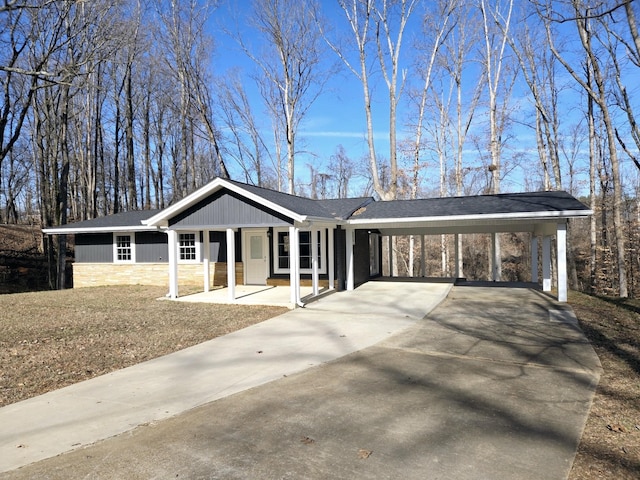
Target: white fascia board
487,216
71,231
162,218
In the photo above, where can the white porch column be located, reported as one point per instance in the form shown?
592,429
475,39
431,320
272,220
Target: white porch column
330,260
561,252
172,240
423,257
534,258
390,243
349,251
294,265
495,252
546,263
231,264
314,261
458,250
206,260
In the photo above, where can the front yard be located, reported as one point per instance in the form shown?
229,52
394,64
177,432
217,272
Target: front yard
49,340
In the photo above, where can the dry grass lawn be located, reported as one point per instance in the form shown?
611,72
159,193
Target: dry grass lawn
52,339
610,446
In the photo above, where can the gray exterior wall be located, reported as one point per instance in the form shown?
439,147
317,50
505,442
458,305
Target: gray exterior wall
94,248
152,247
361,257
218,246
224,209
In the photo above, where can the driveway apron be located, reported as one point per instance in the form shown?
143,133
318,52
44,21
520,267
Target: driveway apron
493,383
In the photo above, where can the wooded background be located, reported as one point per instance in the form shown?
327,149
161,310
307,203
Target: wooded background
113,105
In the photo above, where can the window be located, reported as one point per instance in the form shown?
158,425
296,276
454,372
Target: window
281,240
123,248
188,247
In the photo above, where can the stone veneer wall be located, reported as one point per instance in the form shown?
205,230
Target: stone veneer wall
95,274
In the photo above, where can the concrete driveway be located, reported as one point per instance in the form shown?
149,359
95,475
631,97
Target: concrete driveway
494,383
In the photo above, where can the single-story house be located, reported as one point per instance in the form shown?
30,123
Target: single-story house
231,233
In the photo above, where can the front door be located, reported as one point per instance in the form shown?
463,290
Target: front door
256,252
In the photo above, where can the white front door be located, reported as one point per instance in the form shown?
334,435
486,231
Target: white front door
256,251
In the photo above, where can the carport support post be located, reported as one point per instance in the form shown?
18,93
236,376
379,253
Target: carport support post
561,252
206,261
294,267
331,260
314,261
423,259
349,251
458,249
546,263
172,240
495,260
390,243
534,258
231,264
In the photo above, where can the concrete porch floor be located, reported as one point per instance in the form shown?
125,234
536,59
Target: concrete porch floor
251,295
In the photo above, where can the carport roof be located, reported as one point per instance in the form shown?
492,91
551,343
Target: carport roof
551,203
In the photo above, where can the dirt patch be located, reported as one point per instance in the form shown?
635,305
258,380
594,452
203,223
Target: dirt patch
53,339
610,445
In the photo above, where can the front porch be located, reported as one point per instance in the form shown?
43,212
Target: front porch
276,296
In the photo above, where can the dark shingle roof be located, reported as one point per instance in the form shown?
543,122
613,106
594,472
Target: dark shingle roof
118,220
334,208
474,205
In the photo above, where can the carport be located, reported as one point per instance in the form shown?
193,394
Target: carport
544,215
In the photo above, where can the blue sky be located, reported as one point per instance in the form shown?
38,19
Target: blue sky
337,116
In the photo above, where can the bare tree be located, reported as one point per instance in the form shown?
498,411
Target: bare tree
291,74
596,89
378,31
245,143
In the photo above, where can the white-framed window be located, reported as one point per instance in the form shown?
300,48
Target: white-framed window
188,247
281,249
124,250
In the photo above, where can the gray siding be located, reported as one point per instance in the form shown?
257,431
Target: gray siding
152,247
361,257
94,247
225,209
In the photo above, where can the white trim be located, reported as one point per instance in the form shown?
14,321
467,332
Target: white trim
73,231
231,264
172,243
322,254
485,216
546,263
132,240
561,258
331,259
349,241
161,218
206,260
197,244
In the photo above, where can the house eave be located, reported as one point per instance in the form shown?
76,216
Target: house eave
123,229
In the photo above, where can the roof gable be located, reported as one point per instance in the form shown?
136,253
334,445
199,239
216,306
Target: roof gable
227,209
